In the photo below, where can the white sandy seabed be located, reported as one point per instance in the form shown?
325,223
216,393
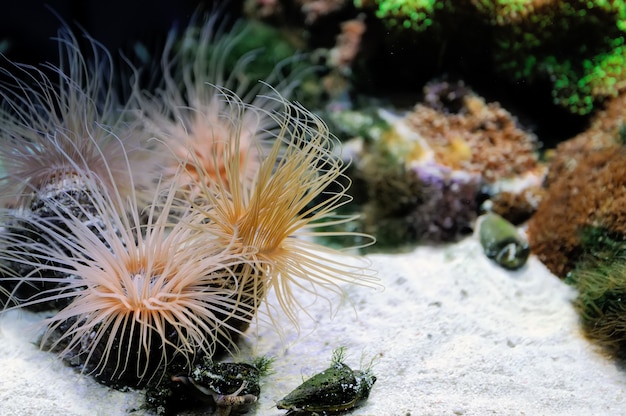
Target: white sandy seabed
452,333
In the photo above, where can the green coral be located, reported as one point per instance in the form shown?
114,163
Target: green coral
577,45
409,14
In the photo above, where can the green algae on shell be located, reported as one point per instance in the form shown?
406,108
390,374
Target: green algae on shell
502,243
336,389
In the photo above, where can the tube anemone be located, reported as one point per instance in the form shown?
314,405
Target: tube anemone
141,293
270,220
186,112
62,128
66,122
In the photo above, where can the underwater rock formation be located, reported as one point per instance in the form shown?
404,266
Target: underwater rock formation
427,171
592,194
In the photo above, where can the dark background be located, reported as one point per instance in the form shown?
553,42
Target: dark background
30,25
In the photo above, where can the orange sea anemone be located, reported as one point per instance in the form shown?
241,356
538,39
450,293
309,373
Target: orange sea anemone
271,219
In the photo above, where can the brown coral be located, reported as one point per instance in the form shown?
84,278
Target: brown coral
586,187
348,44
428,172
481,138
592,193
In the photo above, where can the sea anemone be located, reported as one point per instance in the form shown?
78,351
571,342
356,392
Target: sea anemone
185,113
272,219
140,292
141,284
44,123
62,129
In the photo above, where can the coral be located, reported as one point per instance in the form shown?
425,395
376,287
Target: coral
481,138
591,193
573,50
517,207
341,58
584,189
603,132
578,45
314,9
348,44
405,205
408,14
601,286
426,172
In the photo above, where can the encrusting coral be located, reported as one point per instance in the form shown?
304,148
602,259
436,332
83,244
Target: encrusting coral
589,195
407,14
150,275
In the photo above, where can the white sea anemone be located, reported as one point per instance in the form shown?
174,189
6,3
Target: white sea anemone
65,121
140,292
